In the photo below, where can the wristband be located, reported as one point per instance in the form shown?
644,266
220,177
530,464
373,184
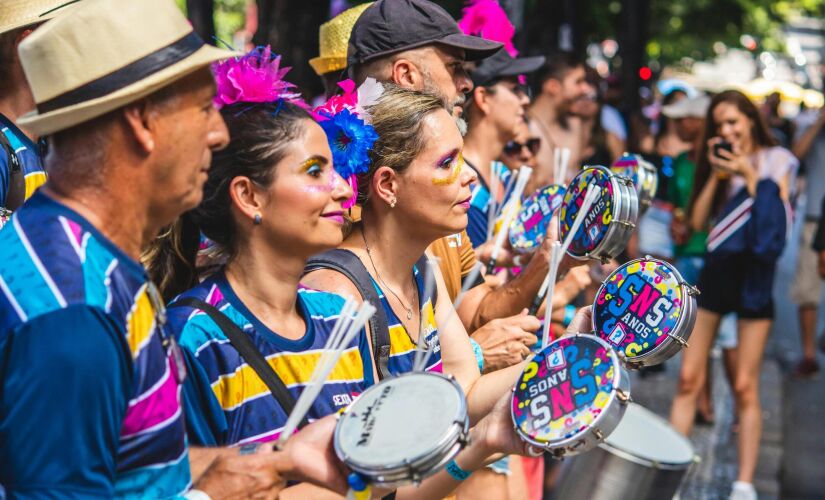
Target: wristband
457,472
478,353
194,494
569,314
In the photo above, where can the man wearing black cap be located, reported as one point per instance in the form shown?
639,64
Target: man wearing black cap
495,111
417,45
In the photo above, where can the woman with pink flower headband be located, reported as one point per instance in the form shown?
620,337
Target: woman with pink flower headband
273,199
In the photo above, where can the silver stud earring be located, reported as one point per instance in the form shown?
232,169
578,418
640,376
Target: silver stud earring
392,203
257,219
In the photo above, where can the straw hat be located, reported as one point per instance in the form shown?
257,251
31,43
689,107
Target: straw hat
104,54
333,40
19,13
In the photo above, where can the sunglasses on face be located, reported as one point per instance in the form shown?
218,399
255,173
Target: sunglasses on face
513,148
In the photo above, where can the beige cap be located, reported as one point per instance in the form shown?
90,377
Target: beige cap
104,54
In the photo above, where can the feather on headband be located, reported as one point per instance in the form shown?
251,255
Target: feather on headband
254,77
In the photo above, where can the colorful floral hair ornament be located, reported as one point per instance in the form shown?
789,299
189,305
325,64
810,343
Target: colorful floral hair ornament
254,77
347,124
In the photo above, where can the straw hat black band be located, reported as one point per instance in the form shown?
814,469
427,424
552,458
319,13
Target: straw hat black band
127,75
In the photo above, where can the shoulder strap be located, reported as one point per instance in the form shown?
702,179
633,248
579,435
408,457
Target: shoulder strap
248,352
348,264
16,194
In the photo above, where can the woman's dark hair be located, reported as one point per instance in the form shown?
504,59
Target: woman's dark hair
760,136
260,134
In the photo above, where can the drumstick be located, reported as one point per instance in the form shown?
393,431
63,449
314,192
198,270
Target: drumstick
523,176
429,285
589,198
555,259
513,176
322,371
565,160
557,166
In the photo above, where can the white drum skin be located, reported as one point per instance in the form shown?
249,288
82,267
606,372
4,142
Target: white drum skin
403,429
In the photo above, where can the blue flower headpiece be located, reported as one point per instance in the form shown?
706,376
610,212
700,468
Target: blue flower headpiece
350,135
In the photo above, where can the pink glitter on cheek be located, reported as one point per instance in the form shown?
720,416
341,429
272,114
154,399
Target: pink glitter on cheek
326,188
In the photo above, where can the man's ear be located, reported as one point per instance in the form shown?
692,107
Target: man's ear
551,86
141,122
405,73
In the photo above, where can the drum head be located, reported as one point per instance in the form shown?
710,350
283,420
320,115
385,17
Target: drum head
564,389
530,225
403,419
597,220
649,437
638,304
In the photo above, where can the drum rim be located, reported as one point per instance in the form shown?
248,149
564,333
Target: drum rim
687,299
454,434
654,464
526,250
618,373
616,209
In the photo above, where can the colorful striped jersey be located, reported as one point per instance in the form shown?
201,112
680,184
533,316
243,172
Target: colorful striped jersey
402,347
480,202
28,155
89,383
226,402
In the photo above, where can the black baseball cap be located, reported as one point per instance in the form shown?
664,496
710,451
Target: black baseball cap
390,26
501,65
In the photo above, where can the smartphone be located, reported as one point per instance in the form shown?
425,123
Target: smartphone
720,146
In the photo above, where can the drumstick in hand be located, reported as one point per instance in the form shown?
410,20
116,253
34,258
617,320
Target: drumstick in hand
523,176
590,197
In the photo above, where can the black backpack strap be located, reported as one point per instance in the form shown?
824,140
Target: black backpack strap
16,192
248,352
348,264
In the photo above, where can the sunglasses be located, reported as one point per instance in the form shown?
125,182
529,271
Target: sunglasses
513,148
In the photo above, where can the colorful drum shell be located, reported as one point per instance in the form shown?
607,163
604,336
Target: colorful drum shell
403,429
570,396
611,219
643,175
646,311
529,227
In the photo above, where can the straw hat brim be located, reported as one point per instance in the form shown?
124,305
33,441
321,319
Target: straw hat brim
69,116
323,65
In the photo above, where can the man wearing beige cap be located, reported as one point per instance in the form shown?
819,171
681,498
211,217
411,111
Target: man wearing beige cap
21,168
90,379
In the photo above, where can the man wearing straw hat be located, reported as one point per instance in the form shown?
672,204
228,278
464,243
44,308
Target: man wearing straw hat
333,38
21,169
90,394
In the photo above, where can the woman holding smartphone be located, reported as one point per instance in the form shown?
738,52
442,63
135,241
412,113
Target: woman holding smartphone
741,191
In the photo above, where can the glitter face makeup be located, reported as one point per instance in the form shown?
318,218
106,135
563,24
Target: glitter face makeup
454,161
314,166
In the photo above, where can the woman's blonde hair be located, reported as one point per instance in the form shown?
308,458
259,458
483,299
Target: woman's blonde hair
397,117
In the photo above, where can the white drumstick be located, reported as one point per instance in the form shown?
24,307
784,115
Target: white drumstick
590,197
565,160
555,258
322,371
492,205
523,176
557,166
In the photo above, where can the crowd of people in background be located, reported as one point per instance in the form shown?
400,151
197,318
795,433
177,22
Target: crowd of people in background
150,195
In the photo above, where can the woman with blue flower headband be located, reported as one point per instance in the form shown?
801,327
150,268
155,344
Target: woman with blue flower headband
271,200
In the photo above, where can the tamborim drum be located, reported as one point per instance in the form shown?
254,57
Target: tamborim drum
645,310
609,222
643,459
403,429
643,175
570,396
529,227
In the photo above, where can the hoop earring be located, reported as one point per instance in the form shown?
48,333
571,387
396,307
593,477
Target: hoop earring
257,219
